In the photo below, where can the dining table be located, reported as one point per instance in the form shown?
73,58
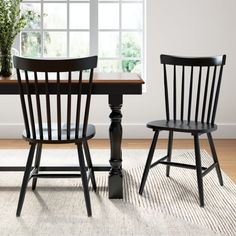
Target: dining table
114,86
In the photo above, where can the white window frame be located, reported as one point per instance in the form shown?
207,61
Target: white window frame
93,30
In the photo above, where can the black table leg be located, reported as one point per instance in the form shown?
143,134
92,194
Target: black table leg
115,131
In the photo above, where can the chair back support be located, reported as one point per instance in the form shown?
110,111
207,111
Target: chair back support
51,92
192,87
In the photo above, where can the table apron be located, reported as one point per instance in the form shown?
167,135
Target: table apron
102,89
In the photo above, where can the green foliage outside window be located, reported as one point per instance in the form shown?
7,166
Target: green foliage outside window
131,49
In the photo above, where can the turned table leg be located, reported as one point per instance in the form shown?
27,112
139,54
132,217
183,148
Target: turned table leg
115,131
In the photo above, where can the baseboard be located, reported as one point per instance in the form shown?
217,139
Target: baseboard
130,131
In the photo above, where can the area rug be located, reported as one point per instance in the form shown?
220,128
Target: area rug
169,206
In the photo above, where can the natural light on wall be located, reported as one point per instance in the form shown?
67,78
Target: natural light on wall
74,28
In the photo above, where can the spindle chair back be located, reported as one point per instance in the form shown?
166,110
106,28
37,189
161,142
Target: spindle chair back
191,90
47,89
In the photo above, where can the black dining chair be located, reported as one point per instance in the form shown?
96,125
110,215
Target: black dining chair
191,87
55,98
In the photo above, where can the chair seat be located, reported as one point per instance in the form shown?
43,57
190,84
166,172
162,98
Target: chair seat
64,139
182,126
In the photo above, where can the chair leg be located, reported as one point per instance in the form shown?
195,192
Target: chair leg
90,165
84,179
148,162
199,169
25,179
169,152
215,158
37,163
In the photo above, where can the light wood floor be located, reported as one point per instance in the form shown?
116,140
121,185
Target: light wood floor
226,149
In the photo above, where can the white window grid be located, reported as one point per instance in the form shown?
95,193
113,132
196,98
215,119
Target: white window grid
93,28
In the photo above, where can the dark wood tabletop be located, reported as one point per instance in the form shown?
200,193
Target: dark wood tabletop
99,78
104,83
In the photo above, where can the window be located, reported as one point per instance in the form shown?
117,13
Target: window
112,29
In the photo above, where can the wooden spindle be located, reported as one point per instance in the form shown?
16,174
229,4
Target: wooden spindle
58,107
205,95
174,94
30,106
38,104
198,93
217,96
69,106
211,95
182,95
22,98
87,106
78,106
48,107
166,94
190,94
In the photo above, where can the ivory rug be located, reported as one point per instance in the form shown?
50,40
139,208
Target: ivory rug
169,206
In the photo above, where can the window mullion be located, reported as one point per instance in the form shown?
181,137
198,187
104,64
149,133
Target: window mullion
41,28
68,29
93,42
143,49
120,34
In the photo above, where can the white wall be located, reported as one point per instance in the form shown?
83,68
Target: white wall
183,27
